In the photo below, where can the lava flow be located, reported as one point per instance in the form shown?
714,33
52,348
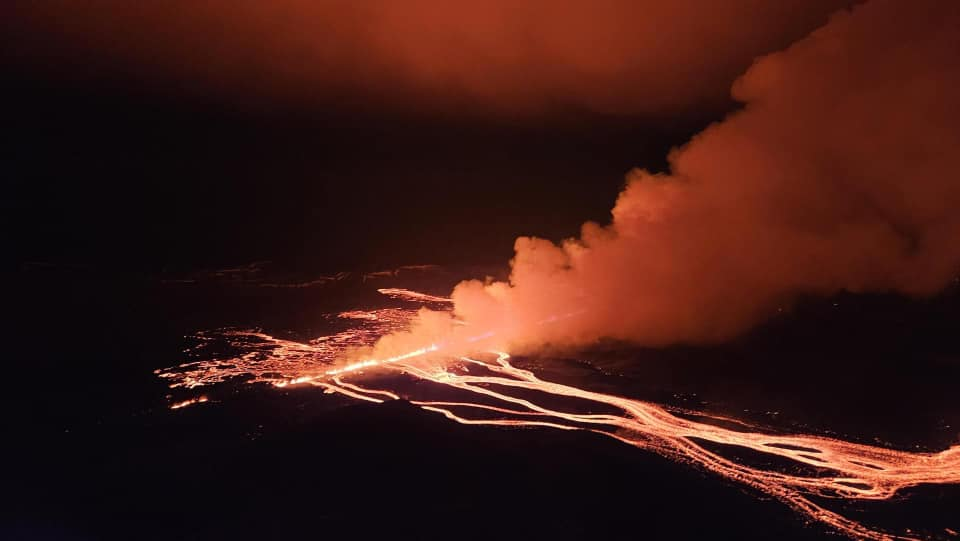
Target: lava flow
487,389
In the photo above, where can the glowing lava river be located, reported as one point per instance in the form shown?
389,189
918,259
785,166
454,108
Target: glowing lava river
487,389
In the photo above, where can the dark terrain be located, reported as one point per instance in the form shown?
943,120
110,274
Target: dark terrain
96,454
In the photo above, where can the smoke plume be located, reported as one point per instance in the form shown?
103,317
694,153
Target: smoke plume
839,173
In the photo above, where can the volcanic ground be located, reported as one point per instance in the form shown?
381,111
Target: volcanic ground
98,453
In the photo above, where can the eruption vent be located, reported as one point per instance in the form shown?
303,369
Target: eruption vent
822,473
840,173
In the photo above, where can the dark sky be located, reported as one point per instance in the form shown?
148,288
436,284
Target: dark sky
107,176
150,136
160,136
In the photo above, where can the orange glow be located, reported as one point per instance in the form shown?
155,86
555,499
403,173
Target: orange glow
188,402
610,56
492,391
406,294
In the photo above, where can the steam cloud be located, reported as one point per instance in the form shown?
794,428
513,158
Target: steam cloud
646,56
840,173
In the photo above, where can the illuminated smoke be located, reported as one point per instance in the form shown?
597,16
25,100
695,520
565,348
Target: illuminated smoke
646,56
839,173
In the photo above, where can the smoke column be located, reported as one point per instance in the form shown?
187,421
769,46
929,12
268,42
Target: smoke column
839,173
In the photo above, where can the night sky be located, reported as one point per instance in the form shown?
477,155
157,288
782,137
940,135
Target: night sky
734,210
104,176
154,136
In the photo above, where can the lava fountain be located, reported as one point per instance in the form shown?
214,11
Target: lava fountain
490,390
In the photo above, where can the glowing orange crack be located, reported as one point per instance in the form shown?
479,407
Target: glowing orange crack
860,472
409,295
188,402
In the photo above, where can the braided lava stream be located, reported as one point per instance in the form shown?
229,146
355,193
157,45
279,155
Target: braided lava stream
492,391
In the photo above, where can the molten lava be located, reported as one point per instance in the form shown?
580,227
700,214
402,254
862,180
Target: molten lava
188,402
492,391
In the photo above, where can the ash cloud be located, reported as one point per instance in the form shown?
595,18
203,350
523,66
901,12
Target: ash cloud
839,173
640,56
